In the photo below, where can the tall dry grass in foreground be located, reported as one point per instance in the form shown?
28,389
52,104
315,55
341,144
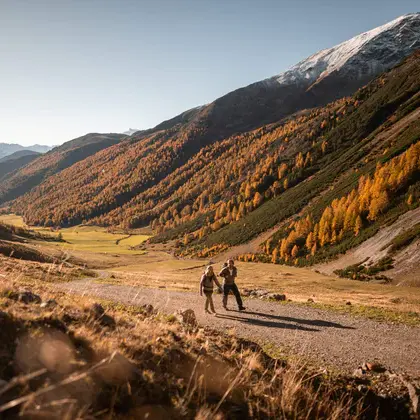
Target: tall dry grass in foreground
69,360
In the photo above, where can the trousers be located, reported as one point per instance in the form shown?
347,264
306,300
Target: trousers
209,301
227,288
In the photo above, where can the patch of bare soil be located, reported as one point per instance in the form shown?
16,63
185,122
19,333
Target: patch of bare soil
377,247
406,266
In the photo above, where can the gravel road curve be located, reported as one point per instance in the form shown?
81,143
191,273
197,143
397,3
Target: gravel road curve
332,340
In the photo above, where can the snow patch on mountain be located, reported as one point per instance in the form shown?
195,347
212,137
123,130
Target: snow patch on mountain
366,54
131,131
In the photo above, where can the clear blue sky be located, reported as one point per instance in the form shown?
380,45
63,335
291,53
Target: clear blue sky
78,66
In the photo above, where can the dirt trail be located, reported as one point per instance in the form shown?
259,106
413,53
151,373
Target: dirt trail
331,339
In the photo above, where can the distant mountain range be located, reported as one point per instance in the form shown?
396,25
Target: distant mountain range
19,154
7,149
27,176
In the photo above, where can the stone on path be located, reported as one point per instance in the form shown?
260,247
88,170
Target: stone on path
276,296
25,297
187,317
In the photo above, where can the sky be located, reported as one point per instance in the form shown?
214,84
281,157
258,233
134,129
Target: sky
70,67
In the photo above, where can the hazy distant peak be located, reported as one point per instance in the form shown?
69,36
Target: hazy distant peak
7,149
131,131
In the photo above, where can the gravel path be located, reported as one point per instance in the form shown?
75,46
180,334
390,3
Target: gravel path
331,339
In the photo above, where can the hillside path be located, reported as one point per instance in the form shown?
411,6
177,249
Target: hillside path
331,339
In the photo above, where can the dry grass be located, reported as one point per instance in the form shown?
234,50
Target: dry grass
159,269
12,219
45,272
65,363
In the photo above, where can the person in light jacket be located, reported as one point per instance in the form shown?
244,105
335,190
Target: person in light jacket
229,273
208,279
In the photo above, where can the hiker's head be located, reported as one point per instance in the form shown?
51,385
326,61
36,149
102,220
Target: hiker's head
230,262
209,271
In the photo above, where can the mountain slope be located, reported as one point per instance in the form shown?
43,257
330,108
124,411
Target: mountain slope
362,56
380,105
16,161
28,177
363,189
245,184
321,78
125,183
19,154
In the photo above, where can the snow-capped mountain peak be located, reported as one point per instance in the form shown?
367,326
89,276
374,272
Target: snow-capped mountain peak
366,54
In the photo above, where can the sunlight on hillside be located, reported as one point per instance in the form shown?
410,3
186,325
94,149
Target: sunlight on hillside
87,238
12,219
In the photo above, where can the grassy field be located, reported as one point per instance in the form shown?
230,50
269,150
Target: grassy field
12,219
87,238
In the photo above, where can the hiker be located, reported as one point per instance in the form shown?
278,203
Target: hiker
229,273
206,284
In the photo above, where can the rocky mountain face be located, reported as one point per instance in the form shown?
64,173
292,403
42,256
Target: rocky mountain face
321,78
363,56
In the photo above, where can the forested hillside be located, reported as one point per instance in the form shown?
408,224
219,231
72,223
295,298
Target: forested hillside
26,177
366,182
212,192
167,178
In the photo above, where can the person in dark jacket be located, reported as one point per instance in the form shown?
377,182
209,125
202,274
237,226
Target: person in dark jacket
206,285
229,273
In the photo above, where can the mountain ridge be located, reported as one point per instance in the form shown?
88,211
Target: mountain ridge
328,60
15,161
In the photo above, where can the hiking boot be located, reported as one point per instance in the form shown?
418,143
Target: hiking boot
242,308
226,308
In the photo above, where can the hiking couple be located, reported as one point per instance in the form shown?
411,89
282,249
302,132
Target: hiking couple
229,272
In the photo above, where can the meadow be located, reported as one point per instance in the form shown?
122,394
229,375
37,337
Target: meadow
92,239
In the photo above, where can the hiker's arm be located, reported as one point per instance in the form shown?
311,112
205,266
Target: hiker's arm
201,286
222,272
217,283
